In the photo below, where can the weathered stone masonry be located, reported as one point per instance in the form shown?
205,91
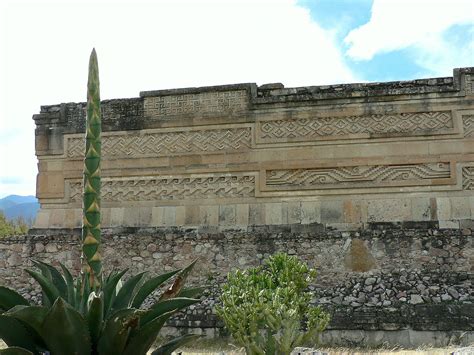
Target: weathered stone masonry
372,183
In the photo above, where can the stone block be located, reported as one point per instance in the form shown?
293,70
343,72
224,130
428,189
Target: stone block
448,224
294,212
209,215
443,208
144,216
421,209
355,211
310,212
56,219
276,213
192,216
116,216
227,215
389,210
332,211
42,219
242,214
163,216
131,217
460,208
256,214
180,215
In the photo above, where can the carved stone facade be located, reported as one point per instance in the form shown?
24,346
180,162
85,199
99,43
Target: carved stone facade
240,155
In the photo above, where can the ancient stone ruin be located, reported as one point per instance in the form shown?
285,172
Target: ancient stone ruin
371,183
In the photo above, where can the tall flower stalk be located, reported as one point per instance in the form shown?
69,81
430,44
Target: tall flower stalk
91,202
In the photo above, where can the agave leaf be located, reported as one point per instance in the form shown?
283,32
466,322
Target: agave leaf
109,290
191,292
172,345
116,331
49,290
15,351
143,338
85,292
95,316
126,293
77,293
149,286
14,333
65,331
178,284
55,277
171,305
69,285
10,298
31,315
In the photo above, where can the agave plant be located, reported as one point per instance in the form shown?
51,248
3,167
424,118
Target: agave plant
92,315
75,320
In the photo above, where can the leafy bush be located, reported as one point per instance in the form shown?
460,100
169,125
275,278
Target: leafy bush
267,309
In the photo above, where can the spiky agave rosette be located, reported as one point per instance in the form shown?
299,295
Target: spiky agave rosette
91,201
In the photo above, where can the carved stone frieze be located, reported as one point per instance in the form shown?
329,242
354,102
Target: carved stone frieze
327,127
357,176
171,188
156,144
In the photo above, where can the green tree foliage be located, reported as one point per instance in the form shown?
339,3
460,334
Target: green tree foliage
267,309
12,227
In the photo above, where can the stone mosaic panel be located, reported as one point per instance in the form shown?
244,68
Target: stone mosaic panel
328,127
468,124
171,188
203,103
357,176
156,144
468,178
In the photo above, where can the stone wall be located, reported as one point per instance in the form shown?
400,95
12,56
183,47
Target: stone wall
241,155
384,278
371,183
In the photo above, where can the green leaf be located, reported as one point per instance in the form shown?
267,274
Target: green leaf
15,351
126,293
143,338
14,333
116,331
109,289
171,305
191,292
56,277
50,291
10,298
149,286
31,315
174,344
85,292
95,317
178,284
69,285
65,331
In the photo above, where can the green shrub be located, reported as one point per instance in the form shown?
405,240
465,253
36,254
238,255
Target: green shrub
267,309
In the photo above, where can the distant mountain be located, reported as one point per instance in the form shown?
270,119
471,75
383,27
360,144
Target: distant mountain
15,206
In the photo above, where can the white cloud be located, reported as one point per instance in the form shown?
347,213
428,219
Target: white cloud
146,45
398,24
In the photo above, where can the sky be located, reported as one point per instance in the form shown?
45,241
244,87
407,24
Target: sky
149,45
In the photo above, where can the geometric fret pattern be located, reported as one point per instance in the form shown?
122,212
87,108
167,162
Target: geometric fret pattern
155,144
468,124
171,188
220,102
468,178
421,122
357,176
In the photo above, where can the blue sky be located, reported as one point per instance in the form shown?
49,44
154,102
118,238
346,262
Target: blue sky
150,44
